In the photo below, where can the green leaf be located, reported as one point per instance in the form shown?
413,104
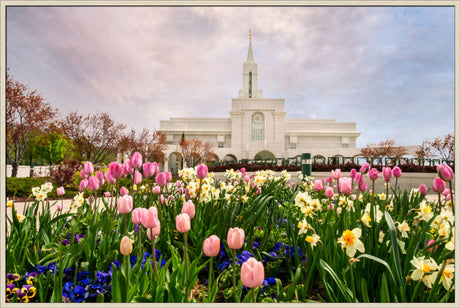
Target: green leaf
342,288
384,294
395,249
364,291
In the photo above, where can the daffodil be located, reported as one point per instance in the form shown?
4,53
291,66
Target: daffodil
425,211
20,217
313,239
403,228
350,241
10,203
303,226
423,267
447,276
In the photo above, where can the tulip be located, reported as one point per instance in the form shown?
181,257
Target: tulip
148,169
202,171
100,176
150,218
59,207
107,194
60,191
161,179
123,191
116,170
336,174
373,174
179,184
183,223
156,190
364,168
125,204
137,179
329,192
438,185
83,185
211,246
137,215
235,238
423,189
155,231
126,246
345,186
252,275
329,180
353,173
136,160
109,178
396,172
93,183
363,186
386,171
446,192
189,209
318,185
246,178
88,167
429,243
243,170
127,169
168,176
83,174
445,173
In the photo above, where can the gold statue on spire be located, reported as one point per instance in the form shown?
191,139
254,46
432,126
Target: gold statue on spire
250,34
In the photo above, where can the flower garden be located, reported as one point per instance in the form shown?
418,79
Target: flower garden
253,237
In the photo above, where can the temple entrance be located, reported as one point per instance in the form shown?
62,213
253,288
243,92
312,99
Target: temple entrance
264,155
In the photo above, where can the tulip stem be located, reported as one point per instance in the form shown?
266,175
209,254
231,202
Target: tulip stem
186,262
139,253
439,201
154,259
210,280
127,276
126,224
253,295
234,277
452,197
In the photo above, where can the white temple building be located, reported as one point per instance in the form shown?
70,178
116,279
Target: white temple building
258,129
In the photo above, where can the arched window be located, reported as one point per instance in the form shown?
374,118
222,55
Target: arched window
257,126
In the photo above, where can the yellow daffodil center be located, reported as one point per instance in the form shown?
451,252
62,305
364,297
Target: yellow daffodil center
310,239
426,268
427,209
446,274
348,237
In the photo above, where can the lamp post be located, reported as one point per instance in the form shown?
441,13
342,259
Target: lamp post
306,165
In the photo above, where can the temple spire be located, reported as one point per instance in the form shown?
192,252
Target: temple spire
250,55
250,88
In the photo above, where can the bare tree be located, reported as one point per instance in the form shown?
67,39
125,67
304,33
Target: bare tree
151,145
26,113
94,135
443,148
385,148
195,152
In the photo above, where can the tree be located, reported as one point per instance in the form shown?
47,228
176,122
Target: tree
151,145
26,113
94,135
385,148
196,152
51,147
443,148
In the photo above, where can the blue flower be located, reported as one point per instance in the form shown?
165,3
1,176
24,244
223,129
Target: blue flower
222,266
102,277
96,289
255,245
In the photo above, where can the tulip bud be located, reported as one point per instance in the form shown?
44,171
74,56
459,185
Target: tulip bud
59,207
109,178
148,169
160,179
423,189
116,170
364,168
137,214
93,183
156,231
150,218
100,176
168,176
336,174
89,168
235,238
156,190
318,185
125,204
446,192
137,179
386,171
179,184
363,186
127,168
83,185
83,174
352,173
123,191
136,160
183,223
252,273
188,208
202,171
60,191
107,194
126,246
373,174
396,172
438,185
329,192
445,172
211,246
345,186
429,243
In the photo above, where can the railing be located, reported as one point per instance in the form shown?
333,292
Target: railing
337,160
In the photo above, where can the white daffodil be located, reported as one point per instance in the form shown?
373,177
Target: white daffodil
350,241
403,228
313,239
423,267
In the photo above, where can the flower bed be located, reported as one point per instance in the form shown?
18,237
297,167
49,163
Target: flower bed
251,237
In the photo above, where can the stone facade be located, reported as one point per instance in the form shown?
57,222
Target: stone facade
258,128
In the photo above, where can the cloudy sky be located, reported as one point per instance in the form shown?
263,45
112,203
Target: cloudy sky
389,69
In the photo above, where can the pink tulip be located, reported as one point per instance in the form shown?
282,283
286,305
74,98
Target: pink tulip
211,246
363,186
116,170
137,179
188,208
345,186
183,223
161,179
127,168
445,172
93,183
83,185
243,170
137,215
336,174
89,168
429,243
107,194
353,173
168,176
201,171
125,204
123,191
179,184
423,189
136,160
386,172
60,191
156,231
329,192
446,192
150,218
396,172
246,178
373,174
148,169
235,238
358,177
83,174
156,190
318,185
330,207
100,176
59,207
329,180
252,273
364,168
109,178
438,185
